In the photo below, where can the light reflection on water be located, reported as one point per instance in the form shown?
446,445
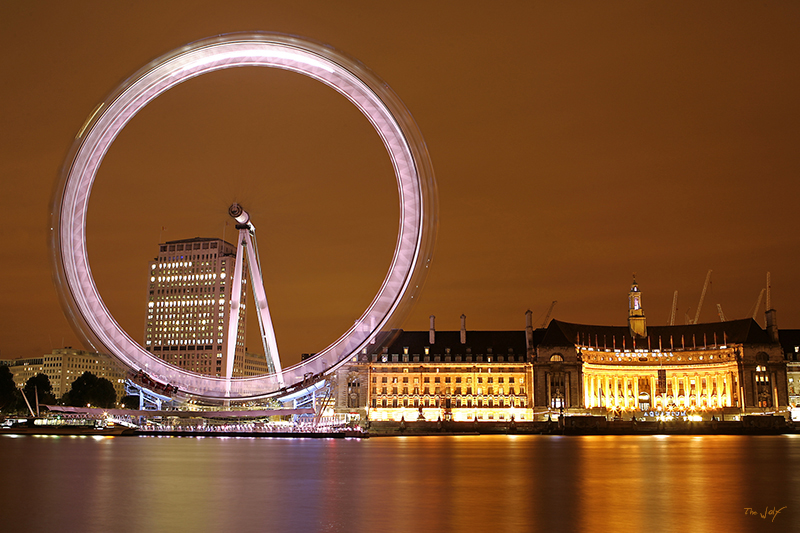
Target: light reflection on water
468,483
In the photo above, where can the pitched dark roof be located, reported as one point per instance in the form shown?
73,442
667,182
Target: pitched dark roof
745,331
197,239
538,335
479,342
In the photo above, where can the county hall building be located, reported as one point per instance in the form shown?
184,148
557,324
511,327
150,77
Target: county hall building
694,371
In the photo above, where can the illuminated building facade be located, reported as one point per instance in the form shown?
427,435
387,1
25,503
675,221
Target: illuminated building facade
65,365
252,364
187,316
433,375
23,369
693,371
790,341
697,370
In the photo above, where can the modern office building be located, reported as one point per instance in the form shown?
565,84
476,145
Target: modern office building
188,299
187,317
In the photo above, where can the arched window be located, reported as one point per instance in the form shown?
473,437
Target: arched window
556,357
762,381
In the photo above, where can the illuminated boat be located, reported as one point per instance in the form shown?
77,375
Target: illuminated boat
59,426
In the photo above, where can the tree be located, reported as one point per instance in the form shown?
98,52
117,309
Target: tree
130,402
9,395
89,389
39,384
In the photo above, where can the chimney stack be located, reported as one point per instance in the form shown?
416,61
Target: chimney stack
463,329
771,315
772,325
769,294
432,334
528,330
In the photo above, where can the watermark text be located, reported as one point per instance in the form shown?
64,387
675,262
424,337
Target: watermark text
768,513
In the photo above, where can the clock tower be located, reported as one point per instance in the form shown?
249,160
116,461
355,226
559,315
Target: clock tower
636,319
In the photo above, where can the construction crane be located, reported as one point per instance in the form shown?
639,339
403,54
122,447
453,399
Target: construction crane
549,312
674,309
758,302
720,313
702,297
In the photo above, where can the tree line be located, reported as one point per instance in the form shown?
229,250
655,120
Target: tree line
86,390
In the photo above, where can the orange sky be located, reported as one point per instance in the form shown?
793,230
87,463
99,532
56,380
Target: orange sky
573,145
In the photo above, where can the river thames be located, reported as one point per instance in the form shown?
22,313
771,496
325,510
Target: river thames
437,484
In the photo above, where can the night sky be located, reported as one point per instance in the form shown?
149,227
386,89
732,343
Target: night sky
573,144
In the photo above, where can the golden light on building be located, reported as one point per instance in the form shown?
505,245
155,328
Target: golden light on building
732,367
691,371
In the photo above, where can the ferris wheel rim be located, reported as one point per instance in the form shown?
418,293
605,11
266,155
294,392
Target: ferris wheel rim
80,297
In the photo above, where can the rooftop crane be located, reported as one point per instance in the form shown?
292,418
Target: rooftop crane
674,309
758,302
720,313
549,311
702,297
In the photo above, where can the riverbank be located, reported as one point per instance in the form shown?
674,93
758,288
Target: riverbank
587,425
567,426
189,432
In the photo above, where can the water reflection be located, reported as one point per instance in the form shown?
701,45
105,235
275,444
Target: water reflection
468,483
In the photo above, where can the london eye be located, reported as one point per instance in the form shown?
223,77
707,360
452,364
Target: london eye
394,124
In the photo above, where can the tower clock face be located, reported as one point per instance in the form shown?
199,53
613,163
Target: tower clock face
384,110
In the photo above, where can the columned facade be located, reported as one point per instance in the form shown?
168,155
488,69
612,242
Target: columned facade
695,371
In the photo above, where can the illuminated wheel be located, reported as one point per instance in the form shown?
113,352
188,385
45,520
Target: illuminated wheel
387,114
